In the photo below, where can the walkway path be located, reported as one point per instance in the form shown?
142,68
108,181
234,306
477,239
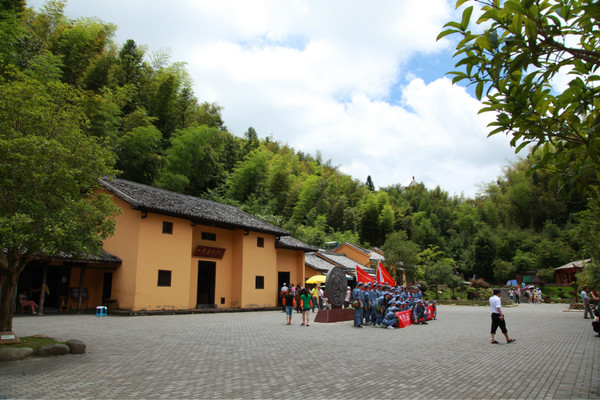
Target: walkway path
255,355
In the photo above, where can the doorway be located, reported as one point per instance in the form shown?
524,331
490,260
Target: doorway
282,277
205,296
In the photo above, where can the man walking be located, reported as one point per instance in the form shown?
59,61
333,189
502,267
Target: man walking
498,317
586,304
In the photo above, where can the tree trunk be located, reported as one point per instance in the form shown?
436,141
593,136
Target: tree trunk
43,290
8,288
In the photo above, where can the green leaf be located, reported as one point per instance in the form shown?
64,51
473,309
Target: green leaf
466,18
479,90
446,33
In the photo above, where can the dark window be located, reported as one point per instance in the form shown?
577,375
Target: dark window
260,242
209,236
260,282
164,277
167,227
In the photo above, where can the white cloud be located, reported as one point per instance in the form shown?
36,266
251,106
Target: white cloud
325,75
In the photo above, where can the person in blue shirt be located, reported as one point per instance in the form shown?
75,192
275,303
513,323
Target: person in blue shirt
420,313
391,319
357,296
367,304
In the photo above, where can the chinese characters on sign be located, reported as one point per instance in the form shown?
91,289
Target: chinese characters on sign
209,252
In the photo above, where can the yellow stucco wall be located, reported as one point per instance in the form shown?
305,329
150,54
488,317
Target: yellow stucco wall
125,244
224,239
353,253
145,249
160,251
92,281
259,261
308,272
291,261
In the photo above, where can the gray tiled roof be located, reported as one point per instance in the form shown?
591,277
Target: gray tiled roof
575,264
345,262
317,263
200,211
289,242
104,258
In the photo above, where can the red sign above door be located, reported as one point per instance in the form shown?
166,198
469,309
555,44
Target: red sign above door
209,252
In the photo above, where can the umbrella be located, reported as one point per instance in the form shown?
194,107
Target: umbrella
317,279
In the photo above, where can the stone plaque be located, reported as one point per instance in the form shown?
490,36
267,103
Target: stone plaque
7,337
335,286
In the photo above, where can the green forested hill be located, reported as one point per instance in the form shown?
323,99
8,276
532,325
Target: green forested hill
140,107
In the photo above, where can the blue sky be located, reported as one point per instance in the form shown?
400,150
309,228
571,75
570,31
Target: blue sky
362,82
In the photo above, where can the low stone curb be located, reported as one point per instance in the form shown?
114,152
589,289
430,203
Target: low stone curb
56,349
15,353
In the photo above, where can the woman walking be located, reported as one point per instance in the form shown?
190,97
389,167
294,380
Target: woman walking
305,305
289,301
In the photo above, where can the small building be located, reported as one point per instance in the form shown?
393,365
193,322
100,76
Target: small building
322,261
565,274
368,258
172,251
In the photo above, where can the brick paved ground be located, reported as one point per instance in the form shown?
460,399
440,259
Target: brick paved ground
255,355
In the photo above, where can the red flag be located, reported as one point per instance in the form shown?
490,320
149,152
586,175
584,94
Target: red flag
383,276
362,276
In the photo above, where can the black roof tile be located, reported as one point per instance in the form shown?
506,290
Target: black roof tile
200,211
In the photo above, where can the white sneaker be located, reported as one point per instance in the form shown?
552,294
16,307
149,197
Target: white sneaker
390,327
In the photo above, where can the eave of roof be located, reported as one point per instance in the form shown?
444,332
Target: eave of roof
199,211
364,251
289,242
574,264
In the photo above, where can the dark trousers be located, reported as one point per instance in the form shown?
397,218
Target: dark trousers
497,322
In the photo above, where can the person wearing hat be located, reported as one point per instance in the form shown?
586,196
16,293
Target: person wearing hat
357,296
380,306
391,318
498,317
367,304
373,304
420,313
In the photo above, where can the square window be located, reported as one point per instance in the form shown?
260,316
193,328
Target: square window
168,227
209,236
260,282
164,278
260,242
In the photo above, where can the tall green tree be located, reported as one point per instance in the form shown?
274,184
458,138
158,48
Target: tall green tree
512,57
400,252
193,164
48,172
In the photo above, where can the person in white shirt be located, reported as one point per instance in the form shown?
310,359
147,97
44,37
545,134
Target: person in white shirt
586,304
498,317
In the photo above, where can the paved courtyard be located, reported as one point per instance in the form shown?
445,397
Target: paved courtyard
255,355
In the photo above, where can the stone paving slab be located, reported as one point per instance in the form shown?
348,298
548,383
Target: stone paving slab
255,355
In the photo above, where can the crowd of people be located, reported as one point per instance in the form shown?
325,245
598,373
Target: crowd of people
532,294
377,305
302,300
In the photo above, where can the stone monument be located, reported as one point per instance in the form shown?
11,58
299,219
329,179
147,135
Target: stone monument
336,285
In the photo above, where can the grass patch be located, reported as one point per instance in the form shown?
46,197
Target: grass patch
33,342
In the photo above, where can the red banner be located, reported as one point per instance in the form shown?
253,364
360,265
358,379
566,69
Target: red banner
383,276
404,318
362,276
209,252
